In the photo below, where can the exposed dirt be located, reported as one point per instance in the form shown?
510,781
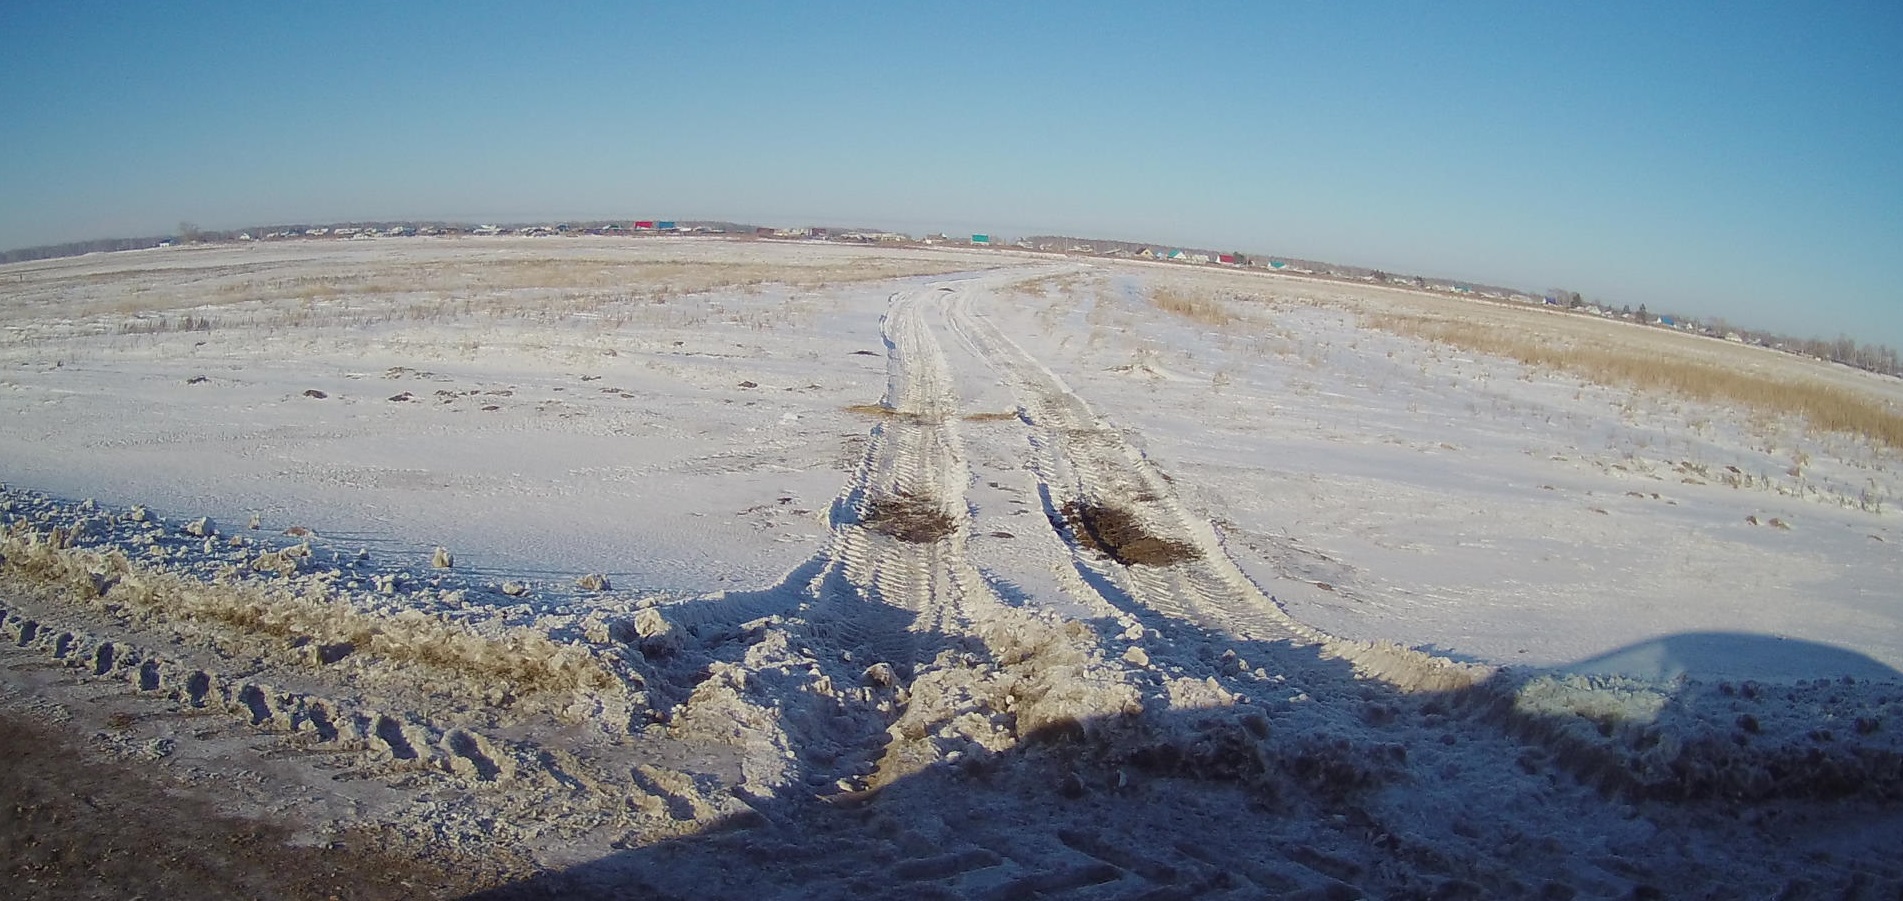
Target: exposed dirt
1116,533
918,520
81,823
881,411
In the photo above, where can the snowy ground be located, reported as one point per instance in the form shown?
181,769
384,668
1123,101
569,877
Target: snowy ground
932,571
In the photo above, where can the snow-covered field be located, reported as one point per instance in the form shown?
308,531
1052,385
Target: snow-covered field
847,571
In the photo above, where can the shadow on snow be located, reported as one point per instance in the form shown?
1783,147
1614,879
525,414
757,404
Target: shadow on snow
1313,783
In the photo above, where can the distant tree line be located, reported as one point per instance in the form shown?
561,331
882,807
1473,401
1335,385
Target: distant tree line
75,248
1846,350
1878,358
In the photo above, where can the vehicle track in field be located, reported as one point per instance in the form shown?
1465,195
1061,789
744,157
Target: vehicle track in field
901,643
1085,465
894,568
906,548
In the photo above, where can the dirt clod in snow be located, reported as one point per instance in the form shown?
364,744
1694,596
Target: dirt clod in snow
918,520
1116,533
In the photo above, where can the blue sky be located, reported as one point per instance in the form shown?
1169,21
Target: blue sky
1741,159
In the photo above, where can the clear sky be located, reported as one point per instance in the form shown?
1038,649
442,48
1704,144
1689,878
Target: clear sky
1739,159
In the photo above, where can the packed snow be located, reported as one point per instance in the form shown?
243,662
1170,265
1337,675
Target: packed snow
701,566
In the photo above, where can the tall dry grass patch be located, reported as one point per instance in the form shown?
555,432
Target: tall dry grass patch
1193,305
1059,284
1826,407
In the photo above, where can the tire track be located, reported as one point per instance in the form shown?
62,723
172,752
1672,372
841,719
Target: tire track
889,650
1084,463
893,569
892,592
903,544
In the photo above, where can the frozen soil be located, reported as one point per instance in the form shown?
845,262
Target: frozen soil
709,569
84,823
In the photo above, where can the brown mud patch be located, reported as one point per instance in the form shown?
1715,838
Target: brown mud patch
81,823
883,412
910,518
1115,533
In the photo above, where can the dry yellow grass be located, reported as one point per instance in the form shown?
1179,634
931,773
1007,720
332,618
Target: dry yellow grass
519,658
1045,286
881,411
1823,406
225,291
1192,305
